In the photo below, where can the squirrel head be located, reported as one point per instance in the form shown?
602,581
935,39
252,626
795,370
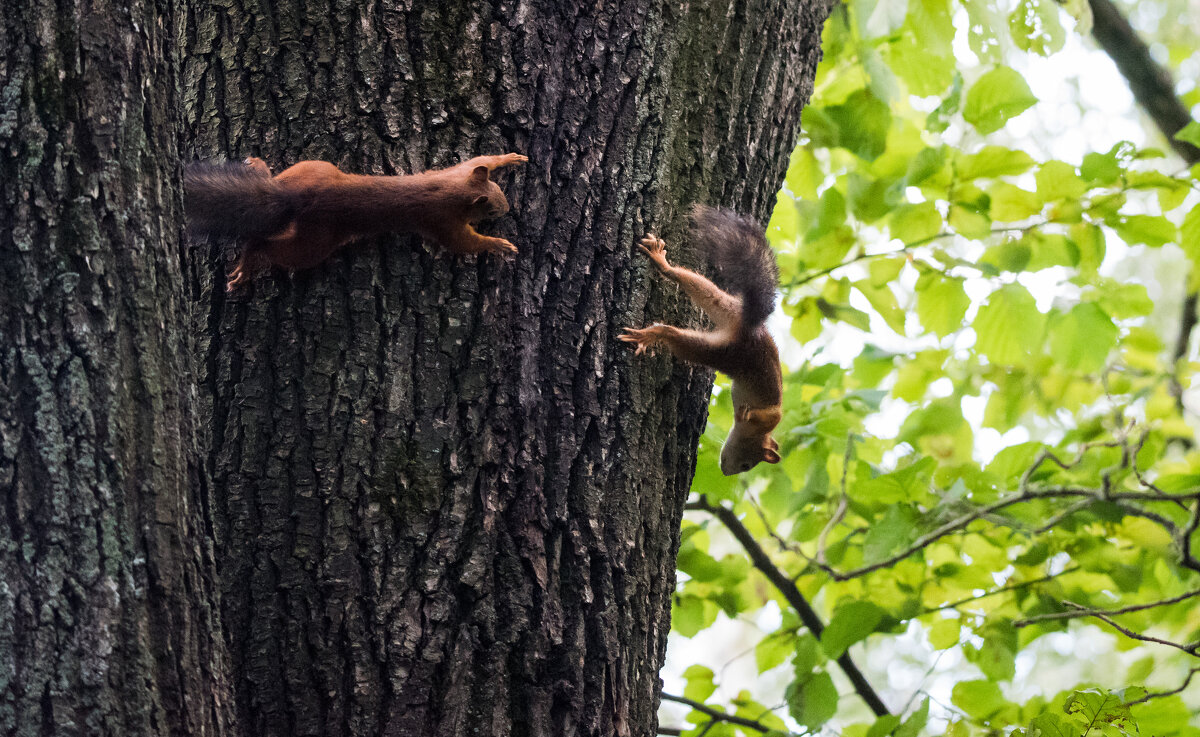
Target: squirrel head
745,448
487,199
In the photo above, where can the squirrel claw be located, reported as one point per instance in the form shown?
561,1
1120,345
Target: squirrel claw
641,339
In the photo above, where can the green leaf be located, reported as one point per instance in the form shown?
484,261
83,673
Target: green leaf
1083,338
1153,230
1190,133
772,650
1052,725
996,98
1100,168
939,119
1011,255
915,223
690,614
813,701
941,303
1035,27
915,722
979,699
1011,203
697,564
859,125
851,622
895,531
1058,180
944,633
1009,328
997,656
993,161
699,683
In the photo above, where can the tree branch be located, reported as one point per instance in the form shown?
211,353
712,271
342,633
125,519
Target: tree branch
808,615
1150,83
716,715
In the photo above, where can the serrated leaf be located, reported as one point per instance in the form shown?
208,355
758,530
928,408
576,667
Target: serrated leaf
941,304
1009,328
996,98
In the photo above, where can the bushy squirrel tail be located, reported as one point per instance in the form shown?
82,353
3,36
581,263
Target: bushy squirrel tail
743,260
232,199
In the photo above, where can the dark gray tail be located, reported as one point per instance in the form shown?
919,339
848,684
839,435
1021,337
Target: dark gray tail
744,262
231,199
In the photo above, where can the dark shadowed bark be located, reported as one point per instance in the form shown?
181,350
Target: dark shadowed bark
449,499
108,609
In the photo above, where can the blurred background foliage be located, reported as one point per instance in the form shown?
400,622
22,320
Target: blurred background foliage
986,517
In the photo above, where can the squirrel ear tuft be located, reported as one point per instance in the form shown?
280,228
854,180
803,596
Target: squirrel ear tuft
479,175
480,200
770,456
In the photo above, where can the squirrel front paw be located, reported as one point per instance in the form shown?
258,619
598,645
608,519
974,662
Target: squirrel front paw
510,159
656,250
500,246
642,338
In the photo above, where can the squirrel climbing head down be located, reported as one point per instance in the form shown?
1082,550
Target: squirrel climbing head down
487,199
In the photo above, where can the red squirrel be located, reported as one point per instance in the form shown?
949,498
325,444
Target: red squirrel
740,346
303,215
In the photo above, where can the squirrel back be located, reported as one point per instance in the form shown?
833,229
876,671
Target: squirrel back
742,258
233,199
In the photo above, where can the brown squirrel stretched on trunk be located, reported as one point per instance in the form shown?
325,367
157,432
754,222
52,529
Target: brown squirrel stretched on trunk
740,346
303,215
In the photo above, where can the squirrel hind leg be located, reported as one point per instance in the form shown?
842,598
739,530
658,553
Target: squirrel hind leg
251,261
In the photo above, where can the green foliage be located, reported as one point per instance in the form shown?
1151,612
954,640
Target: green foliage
989,462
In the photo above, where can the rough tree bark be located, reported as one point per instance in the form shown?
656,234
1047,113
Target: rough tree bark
108,608
448,498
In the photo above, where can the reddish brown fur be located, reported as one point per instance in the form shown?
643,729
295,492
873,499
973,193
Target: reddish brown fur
747,353
334,208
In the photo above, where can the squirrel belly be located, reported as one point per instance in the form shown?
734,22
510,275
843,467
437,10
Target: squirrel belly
740,346
302,216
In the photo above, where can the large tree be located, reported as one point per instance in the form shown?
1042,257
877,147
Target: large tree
438,495
448,498
108,599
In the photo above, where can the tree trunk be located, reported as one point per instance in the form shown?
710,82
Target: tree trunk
448,498
108,608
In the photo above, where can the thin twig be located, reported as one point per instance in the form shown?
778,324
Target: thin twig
1172,692
843,504
1001,590
1082,611
1190,649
